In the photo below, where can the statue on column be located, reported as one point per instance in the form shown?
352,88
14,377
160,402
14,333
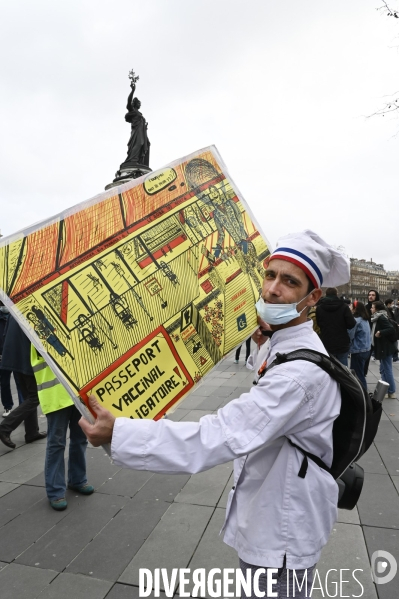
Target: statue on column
138,148
139,144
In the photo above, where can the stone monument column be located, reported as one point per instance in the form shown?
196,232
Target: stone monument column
138,147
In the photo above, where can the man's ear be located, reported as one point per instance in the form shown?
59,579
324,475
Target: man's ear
314,297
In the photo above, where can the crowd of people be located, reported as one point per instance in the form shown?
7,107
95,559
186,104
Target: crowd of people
359,332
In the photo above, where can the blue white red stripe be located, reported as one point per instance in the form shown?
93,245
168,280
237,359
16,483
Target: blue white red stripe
301,260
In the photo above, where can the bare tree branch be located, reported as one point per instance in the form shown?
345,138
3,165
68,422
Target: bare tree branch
385,8
393,104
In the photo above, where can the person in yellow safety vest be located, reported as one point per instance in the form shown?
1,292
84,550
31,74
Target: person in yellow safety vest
61,413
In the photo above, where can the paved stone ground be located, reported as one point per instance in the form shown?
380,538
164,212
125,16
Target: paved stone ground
135,520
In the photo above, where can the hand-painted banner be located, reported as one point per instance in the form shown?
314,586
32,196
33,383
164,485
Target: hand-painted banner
136,294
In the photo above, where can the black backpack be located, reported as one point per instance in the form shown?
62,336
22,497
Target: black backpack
394,334
353,430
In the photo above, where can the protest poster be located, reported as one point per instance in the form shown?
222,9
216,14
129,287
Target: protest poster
136,294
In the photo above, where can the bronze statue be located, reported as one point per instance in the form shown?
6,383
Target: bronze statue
139,144
137,162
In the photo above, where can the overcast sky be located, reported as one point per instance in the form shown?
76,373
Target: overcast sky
281,88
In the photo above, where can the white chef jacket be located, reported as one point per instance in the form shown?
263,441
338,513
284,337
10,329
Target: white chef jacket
271,512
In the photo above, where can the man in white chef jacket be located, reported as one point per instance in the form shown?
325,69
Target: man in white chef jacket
274,518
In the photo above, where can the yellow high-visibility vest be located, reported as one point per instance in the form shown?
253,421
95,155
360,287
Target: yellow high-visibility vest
52,395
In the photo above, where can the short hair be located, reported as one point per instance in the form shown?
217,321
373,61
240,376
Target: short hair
378,305
310,285
388,301
331,291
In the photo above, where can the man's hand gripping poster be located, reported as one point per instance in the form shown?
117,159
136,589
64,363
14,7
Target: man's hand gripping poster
137,293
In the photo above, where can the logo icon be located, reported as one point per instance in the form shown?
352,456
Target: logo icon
383,567
242,322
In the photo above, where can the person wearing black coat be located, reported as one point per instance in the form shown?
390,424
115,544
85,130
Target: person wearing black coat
391,310
5,375
384,345
372,296
16,357
334,318
5,388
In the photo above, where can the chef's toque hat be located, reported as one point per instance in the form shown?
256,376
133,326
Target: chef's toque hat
322,263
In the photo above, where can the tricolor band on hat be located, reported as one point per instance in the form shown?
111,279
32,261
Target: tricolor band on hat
320,261
301,260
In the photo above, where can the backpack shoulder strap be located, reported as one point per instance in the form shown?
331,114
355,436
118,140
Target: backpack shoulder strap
306,454
327,363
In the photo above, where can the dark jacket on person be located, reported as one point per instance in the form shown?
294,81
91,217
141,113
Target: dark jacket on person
334,319
369,304
3,323
16,349
383,345
391,314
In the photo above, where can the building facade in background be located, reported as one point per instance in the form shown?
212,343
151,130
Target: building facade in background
367,275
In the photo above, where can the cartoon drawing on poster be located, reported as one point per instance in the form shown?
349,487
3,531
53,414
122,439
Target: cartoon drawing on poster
136,294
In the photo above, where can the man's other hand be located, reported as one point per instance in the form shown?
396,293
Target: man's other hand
101,431
258,336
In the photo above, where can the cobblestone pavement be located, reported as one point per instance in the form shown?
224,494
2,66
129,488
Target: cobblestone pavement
136,520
